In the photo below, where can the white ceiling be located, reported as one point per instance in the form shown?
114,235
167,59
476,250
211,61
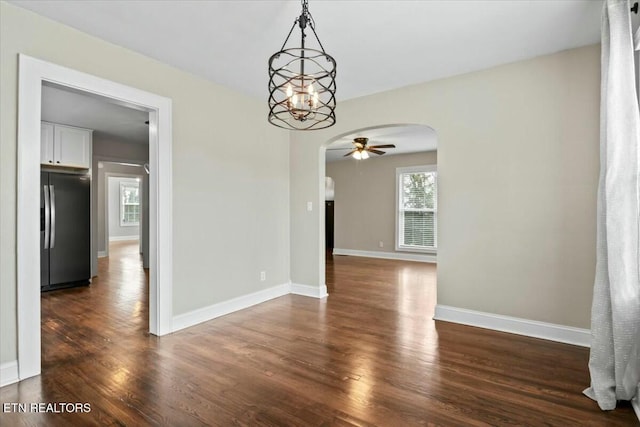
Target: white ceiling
378,45
63,106
407,139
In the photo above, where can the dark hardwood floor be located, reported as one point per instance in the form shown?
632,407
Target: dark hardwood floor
368,355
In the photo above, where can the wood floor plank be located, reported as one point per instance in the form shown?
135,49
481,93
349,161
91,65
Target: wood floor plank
368,355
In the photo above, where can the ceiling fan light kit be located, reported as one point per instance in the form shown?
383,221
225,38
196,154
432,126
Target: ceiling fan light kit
362,150
302,82
360,155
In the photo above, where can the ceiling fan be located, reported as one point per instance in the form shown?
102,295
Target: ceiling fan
362,150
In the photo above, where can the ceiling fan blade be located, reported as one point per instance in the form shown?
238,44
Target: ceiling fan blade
375,151
383,146
350,153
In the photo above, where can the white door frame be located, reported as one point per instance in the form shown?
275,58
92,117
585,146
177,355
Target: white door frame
32,73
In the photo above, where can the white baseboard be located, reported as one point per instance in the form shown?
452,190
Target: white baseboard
204,314
514,325
9,373
404,256
309,291
121,238
102,254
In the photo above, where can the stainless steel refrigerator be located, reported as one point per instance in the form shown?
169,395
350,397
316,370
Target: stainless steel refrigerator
65,240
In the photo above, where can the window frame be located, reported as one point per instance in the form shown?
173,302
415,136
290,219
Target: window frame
123,185
399,229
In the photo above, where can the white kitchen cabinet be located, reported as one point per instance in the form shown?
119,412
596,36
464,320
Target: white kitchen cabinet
67,146
46,143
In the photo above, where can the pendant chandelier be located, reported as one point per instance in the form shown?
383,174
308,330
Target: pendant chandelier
302,82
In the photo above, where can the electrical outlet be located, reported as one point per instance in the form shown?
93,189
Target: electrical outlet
381,244
309,206
263,276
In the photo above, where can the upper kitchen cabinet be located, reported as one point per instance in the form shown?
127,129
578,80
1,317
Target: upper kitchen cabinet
67,146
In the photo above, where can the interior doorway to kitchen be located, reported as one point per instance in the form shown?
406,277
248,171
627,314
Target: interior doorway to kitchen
33,73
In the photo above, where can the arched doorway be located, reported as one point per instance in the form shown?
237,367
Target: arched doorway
365,206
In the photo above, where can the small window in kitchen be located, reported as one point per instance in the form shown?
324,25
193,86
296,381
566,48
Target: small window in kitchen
129,204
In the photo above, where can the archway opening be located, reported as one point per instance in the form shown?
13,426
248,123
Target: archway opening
372,213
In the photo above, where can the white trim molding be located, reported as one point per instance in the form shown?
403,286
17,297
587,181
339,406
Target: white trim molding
223,308
102,254
32,73
404,256
514,325
309,291
204,314
9,373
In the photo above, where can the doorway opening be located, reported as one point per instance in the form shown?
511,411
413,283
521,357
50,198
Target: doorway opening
368,214
122,211
123,221
32,74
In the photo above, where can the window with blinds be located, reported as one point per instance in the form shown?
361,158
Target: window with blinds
129,204
417,209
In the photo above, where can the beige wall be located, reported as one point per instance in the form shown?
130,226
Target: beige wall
365,199
109,147
518,169
230,206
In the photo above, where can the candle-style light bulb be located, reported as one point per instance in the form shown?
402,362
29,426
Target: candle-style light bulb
289,90
294,100
315,99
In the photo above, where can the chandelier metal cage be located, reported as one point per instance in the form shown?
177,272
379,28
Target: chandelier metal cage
302,82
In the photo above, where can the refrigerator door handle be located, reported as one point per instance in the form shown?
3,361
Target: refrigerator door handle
53,217
47,218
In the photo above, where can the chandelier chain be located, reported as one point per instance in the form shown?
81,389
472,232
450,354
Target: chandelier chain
307,15
302,20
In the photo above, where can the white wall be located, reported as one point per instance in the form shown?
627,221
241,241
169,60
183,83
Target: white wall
230,206
116,230
518,161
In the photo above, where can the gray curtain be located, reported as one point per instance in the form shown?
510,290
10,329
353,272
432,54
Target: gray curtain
614,362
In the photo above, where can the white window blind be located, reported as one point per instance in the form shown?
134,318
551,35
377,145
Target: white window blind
417,209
